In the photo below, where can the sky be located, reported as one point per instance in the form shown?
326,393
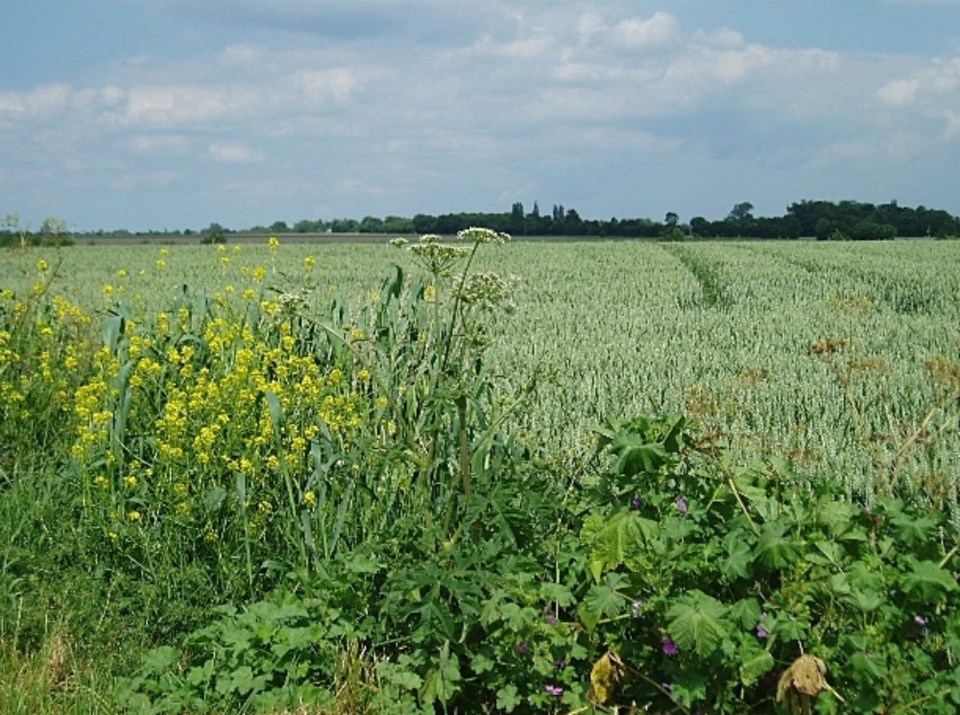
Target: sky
172,114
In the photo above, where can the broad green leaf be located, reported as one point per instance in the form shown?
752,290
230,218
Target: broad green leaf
363,563
755,666
867,588
442,682
240,681
611,542
481,663
736,563
601,600
692,689
508,698
557,593
159,659
913,530
406,679
831,553
837,515
775,548
867,601
928,582
697,623
746,612
636,457
868,667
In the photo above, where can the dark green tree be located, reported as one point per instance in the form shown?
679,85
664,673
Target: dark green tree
741,212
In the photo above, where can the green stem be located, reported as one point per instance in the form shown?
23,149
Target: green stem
950,555
743,507
919,701
456,308
242,493
464,450
731,482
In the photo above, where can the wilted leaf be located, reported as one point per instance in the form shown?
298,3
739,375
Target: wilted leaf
802,683
605,676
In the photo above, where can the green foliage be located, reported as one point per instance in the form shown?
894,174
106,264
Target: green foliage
268,657
726,575
373,494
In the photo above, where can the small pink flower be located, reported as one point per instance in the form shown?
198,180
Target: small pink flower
669,647
554,690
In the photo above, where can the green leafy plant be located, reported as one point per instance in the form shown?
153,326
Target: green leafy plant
710,581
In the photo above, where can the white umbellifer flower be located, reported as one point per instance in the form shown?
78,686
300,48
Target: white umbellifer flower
488,291
435,255
483,235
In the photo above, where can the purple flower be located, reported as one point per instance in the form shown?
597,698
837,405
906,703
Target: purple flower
682,506
550,619
669,647
920,621
554,690
636,503
667,686
762,632
522,646
561,664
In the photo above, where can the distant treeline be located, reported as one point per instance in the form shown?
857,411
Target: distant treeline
820,219
824,220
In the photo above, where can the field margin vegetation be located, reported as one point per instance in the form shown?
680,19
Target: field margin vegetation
275,503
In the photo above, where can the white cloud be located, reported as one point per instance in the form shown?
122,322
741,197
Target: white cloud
242,57
722,38
899,92
173,104
953,124
159,144
234,153
42,101
514,86
319,85
659,31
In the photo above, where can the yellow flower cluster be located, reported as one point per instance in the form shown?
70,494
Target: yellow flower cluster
42,341
215,395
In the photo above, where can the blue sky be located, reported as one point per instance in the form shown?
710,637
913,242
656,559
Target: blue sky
169,114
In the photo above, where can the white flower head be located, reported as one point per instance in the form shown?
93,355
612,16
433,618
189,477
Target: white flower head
488,291
483,235
436,256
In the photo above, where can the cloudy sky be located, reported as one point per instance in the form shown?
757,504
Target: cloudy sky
167,114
